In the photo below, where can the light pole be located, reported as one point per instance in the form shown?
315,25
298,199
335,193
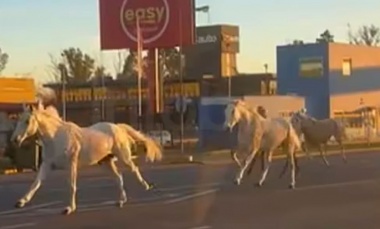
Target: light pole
204,9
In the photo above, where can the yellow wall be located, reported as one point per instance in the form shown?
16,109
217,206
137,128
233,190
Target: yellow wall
351,101
17,90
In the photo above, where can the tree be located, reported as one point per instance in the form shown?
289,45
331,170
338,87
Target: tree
297,42
100,71
80,66
118,63
53,69
365,35
129,66
3,60
170,62
326,36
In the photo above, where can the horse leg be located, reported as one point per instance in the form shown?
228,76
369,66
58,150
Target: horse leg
266,169
111,166
41,176
127,159
73,185
322,151
284,168
342,151
286,163
247,161
294,166
306,150
250,167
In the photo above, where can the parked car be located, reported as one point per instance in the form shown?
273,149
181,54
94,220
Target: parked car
163,137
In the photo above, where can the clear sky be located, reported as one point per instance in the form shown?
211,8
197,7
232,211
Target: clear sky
31,29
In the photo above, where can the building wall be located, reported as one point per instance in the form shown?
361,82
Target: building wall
290,80
352,101
365,68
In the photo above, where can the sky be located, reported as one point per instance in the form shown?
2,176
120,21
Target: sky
30,30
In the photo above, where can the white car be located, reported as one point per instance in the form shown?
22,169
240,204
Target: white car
163,137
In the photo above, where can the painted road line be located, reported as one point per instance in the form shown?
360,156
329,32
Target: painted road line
15,226
191,196
197,186
334,185
29,208
201,227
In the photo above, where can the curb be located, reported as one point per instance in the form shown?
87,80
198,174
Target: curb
277,157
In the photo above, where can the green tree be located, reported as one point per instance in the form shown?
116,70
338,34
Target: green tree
80,66
365,35
170,62
129,66
297,42
4,57
326,36
100,71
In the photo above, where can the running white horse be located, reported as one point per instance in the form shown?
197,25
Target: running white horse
68,145
318,132
256,133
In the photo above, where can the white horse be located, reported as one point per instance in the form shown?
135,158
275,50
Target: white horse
66,144
319,132
256,133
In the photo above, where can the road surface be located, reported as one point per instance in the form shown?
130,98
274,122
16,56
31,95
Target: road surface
203,196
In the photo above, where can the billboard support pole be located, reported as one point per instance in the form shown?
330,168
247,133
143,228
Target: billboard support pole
181,84
139,72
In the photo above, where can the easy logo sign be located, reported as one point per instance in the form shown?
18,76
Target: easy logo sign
153,18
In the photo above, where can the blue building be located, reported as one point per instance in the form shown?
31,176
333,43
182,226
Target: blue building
331,76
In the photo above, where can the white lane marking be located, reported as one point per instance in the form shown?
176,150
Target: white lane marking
19,226
334,185
29,208
191,196
197,186
201,227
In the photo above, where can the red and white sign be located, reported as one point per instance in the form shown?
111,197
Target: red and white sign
163,23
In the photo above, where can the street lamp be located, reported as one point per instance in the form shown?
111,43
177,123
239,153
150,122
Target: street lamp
204,9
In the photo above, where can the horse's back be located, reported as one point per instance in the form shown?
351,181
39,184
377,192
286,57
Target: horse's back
119,135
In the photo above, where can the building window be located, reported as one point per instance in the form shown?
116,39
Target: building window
346,67
311,67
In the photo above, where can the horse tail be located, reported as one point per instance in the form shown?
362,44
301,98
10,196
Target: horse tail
153,150
340,129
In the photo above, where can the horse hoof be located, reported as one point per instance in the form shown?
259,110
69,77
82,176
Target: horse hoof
259,185
67,211
19,204
237,182
151,186
120,204
292,186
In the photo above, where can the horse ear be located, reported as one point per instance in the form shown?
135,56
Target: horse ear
25,107
32,107
40,106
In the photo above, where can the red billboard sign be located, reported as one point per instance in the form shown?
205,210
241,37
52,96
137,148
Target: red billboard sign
164,23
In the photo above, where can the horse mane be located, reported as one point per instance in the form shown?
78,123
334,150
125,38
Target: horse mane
249,109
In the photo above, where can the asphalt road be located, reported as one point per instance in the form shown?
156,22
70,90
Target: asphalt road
203,196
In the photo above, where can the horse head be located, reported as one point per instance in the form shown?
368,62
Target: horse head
232,113
27,124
